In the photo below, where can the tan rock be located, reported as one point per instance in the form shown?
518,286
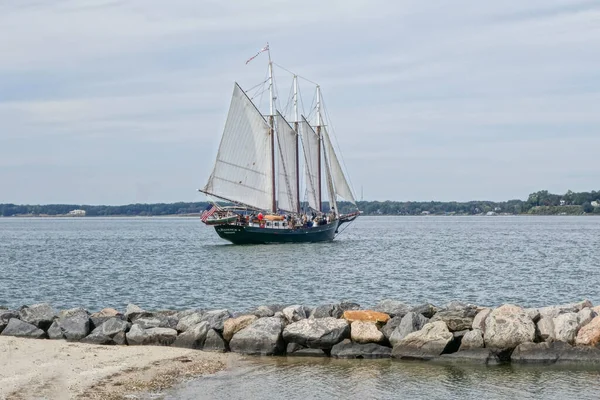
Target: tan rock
507,327
106,312
589,335
479,320
366,316
365,332
233,325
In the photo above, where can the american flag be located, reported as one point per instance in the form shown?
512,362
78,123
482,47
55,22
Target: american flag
207,213
266,48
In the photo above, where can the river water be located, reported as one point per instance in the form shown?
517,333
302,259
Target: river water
178,263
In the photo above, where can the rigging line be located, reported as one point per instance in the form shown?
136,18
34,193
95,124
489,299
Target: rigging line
299,76
342,231
257,85
328,119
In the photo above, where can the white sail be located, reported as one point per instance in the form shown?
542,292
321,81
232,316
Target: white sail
329,180
287,188
243,169
340,183
310,146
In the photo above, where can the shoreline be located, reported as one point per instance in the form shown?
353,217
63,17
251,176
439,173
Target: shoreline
59,369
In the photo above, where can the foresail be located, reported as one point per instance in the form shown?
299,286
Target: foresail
310,146
287,196
340,183
328,178
243,169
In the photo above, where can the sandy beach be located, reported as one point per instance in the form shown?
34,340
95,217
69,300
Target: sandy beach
52,369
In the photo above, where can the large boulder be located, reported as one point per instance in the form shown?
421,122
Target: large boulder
294,349
365,332
317,333
194,337
18,328
348,349
327,311
263,312
188,320
295,313
112,331
366,316
589,335
216,318
262,337
427,310
349,306
545,329
456,319
390,326
133,312
566,327
585,316
472,340
74,323
479,320
98,318
5,316
555,352
154,336
410,323
214,342
157,321
425,344
555,311
54,332
392,307
234,325
40,315
507,327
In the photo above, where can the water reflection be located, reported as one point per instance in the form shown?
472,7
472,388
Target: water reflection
323,378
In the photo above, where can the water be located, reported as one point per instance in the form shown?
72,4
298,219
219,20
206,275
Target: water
177,263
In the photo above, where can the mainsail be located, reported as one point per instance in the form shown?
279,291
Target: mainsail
310,145
340,183
243,169
287,196
328,178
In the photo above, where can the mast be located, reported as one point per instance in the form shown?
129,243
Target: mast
319,146
272,132
297,144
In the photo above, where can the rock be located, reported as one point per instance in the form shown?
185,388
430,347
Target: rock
479,320
555,311
74,323
565,327
538,353
596,309
456,305
585,316
18,328
234,325
472,356
317,333
216,318
365,332
534,314
589,335
262,337
391,325
113,327
263,312
97,337
153,336
392,307
507,327
327,311
157,321
214,342
40,315
456,320
349,306
425,344
54,332
295,313
366,316
410,323
194,337
120,338
472,340
580,356
459,334
5,316
545,330
98,318
189,320
133,312
294,349
348,349
427,310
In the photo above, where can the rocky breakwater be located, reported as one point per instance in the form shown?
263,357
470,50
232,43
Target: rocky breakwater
457,332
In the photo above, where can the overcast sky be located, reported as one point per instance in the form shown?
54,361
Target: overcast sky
115,102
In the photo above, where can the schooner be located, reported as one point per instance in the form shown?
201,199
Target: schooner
257,169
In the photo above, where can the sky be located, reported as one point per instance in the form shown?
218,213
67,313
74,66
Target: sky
124,101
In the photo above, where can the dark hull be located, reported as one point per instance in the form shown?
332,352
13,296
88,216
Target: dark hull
253,235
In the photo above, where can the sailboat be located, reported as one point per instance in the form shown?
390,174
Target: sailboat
257,171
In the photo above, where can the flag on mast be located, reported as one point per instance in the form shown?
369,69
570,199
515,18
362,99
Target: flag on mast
266,48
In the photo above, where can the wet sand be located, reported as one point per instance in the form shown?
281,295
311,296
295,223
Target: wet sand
52,369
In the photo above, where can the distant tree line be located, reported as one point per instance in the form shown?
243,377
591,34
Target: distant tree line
538,203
